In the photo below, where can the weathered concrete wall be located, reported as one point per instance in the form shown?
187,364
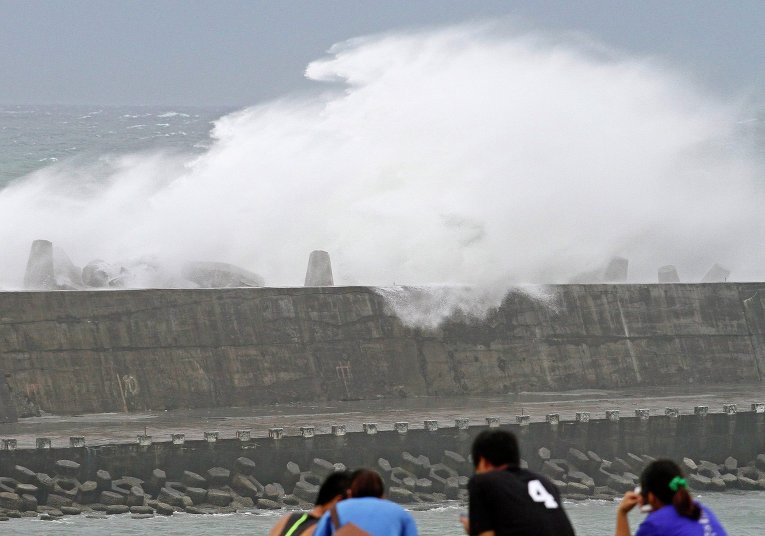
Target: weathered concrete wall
131,350
712,437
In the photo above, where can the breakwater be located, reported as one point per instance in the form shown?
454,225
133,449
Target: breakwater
587,457
132,350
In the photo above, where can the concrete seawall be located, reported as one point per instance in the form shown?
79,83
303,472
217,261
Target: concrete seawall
77,352
702,436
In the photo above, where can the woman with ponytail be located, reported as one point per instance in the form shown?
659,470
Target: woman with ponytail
673,512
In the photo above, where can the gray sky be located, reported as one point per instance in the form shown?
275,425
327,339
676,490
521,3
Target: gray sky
241,52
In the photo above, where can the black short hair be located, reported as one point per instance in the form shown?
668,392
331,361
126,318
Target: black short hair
335,484
498,447
367,483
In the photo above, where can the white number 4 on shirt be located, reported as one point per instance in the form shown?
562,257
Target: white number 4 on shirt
539,494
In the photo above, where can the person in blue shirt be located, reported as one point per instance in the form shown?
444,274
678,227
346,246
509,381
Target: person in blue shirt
367,511
673,510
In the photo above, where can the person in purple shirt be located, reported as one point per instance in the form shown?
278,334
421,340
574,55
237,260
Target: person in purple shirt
673,510
367,511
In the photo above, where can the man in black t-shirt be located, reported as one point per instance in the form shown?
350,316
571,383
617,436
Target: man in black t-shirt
506,500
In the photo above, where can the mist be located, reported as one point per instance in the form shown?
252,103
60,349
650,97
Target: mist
469,155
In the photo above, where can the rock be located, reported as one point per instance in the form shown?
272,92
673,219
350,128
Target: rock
543,454
709,472
218,476
29,503
322,468
400,495
177,486
457,462
552,470
141,510
8,485
116,509
87,492
156,482
71,510
187,501
194,510
267,504
748,472
717,484
244,487
305,491
759,462
291,500
698,482
136,497
621,466
141,516
218,497
274,491
30,489
452,488
241,503
730,465
579,459
746,483
398,474
171,497
15,514
245,466
110,497
423,485
291,475
731,480
10,501
164,509
44,482
688,466
98,507
581,478
197,495
575,488
131,481
636,462
417,465
24,475
193,480
57,501
620,484
68,468
103,480
562,486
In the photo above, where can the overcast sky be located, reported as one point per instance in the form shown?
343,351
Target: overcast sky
241,52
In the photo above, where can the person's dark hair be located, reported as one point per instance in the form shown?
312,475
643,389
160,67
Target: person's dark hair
367,483
499,447
335,484
665,480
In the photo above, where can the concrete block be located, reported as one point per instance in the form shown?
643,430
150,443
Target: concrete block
582,416
616,271
42,443
275,433
243,435
643,414
76,442
492,422
307,431
178,439
319,272
39,274
338,430
8,444
612,415
730,409
701,411
716,274
211,437
431,426
461,423
144,440
370,428
672,413
668,274
758,407
553,418
401,427
523,420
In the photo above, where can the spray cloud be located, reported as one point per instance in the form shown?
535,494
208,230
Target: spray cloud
461,155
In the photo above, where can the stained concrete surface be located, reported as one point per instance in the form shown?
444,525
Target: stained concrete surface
100,429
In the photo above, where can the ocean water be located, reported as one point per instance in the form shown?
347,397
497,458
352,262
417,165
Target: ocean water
33,137
742,514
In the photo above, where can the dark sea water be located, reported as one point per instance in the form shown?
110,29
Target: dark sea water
742,514
33,137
